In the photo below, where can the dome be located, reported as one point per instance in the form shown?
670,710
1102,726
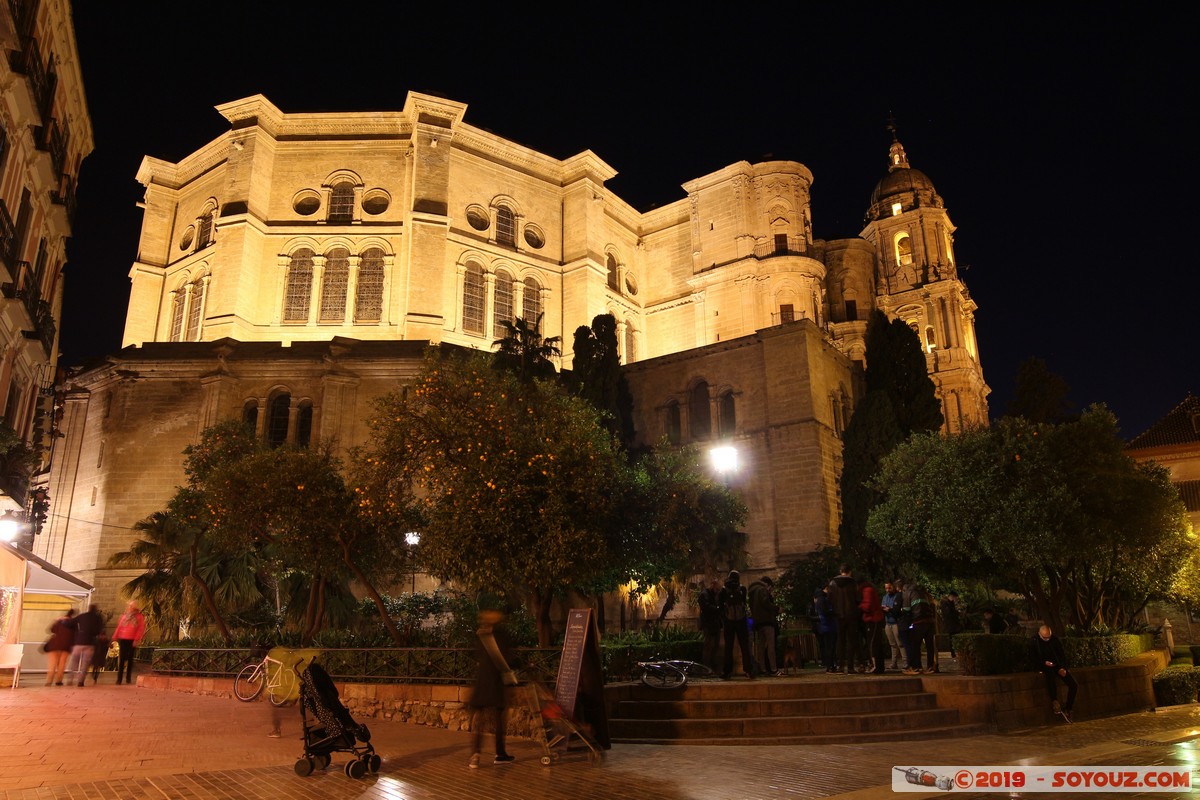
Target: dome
900,181
902,185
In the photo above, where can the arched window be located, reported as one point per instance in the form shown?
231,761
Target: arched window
612,273
341,203
502,303
277,419
333,285
250,414
727,411
506,226
531,304
473,297
630,347
299,286
177,306
903,249
304,420
368,303
674,428
699,412
195,310
204,229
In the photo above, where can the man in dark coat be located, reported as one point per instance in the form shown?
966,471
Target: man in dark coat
87,627
765,613
1047,655
843,595
710,624
495,656
735,606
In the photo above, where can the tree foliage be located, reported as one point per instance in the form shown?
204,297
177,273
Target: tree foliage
597,376
1057,513
1040,395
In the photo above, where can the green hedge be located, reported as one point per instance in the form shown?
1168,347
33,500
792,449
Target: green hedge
1002,653
1176,686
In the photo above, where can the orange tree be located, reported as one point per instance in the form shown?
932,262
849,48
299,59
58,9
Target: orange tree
513,485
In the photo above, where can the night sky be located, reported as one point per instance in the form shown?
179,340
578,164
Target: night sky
1064,146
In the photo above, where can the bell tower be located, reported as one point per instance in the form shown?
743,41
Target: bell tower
917,280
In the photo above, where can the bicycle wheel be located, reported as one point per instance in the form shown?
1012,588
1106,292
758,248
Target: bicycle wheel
283,691
694,669
663,676
249,682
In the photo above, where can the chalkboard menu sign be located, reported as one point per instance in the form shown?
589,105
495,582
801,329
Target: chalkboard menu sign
570,666
579,690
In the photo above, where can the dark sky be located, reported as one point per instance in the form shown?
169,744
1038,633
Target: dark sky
1063,145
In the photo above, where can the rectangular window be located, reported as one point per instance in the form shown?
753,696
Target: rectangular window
786,313
851,310
193,322
781,243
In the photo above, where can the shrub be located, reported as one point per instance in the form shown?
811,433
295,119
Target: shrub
1100,651
1176,685
992,653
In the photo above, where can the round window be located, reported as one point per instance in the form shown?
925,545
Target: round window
534,237
306,204
188,237
631,286
478,219
376,203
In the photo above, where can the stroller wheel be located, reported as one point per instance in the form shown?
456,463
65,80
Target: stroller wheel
323,761
374,762
545,761
355,769
304,767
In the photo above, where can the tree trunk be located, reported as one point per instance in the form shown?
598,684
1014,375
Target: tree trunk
210,602
600,612
668,605
388,622
310,611
541,613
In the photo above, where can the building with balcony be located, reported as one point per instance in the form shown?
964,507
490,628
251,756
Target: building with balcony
294,268
45,134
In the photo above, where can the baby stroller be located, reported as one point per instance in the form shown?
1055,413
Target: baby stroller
333,730
558,728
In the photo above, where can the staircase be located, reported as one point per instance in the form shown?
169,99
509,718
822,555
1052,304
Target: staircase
829,710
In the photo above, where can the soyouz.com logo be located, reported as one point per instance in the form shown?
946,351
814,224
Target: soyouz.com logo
1042,779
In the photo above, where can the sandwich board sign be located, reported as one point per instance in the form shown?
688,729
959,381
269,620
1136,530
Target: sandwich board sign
580,665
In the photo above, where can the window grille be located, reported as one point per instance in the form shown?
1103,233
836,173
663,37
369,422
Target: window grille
194,311
177,313
531,304
473,296
502,304
299,287
699,412
341,203
506,226
368,302
204,233
630,349
333,285
612,273
277,421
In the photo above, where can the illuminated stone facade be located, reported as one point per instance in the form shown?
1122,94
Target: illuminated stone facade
341,235
1174,442
45,134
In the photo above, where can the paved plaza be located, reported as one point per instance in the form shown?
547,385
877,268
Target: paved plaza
136,743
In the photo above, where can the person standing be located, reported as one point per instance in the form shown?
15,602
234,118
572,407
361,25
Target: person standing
710,624
872,621
922,631
904,618
1049,657
495,656
734,610
87,627
765,613
825,628
843,595
130,630
891,622
100,654
58,648
951,621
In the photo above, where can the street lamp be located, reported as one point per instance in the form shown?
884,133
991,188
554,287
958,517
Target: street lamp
10,526
724,460
412,539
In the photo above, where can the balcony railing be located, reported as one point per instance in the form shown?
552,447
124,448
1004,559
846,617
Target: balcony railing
53,139
28,62
24,13
8,239
792,246
65,196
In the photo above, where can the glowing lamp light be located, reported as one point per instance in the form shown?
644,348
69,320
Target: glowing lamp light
724,459
10,526
412,538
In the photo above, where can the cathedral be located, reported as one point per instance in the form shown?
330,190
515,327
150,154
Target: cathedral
295,268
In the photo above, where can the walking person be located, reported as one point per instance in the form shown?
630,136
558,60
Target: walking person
765,613
495,656
58,648
843,595
1048,656
951,621
872,621
86,627
130,630
710,624
891,622
100,654
734,611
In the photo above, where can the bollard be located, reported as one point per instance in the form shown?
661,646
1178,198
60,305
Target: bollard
1169,636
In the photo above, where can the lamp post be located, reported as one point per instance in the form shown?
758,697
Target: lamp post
412,539
10,526
724,460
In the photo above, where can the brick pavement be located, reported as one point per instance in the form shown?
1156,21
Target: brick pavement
130,742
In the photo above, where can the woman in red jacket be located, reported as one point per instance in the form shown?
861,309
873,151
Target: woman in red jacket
873,624
130,630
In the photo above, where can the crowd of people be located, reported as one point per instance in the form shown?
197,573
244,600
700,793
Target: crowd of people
79,645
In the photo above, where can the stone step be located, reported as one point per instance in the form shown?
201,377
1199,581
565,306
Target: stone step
947,732
758,727
786,707
773,688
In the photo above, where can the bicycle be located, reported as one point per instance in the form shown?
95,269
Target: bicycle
671,673
268,674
